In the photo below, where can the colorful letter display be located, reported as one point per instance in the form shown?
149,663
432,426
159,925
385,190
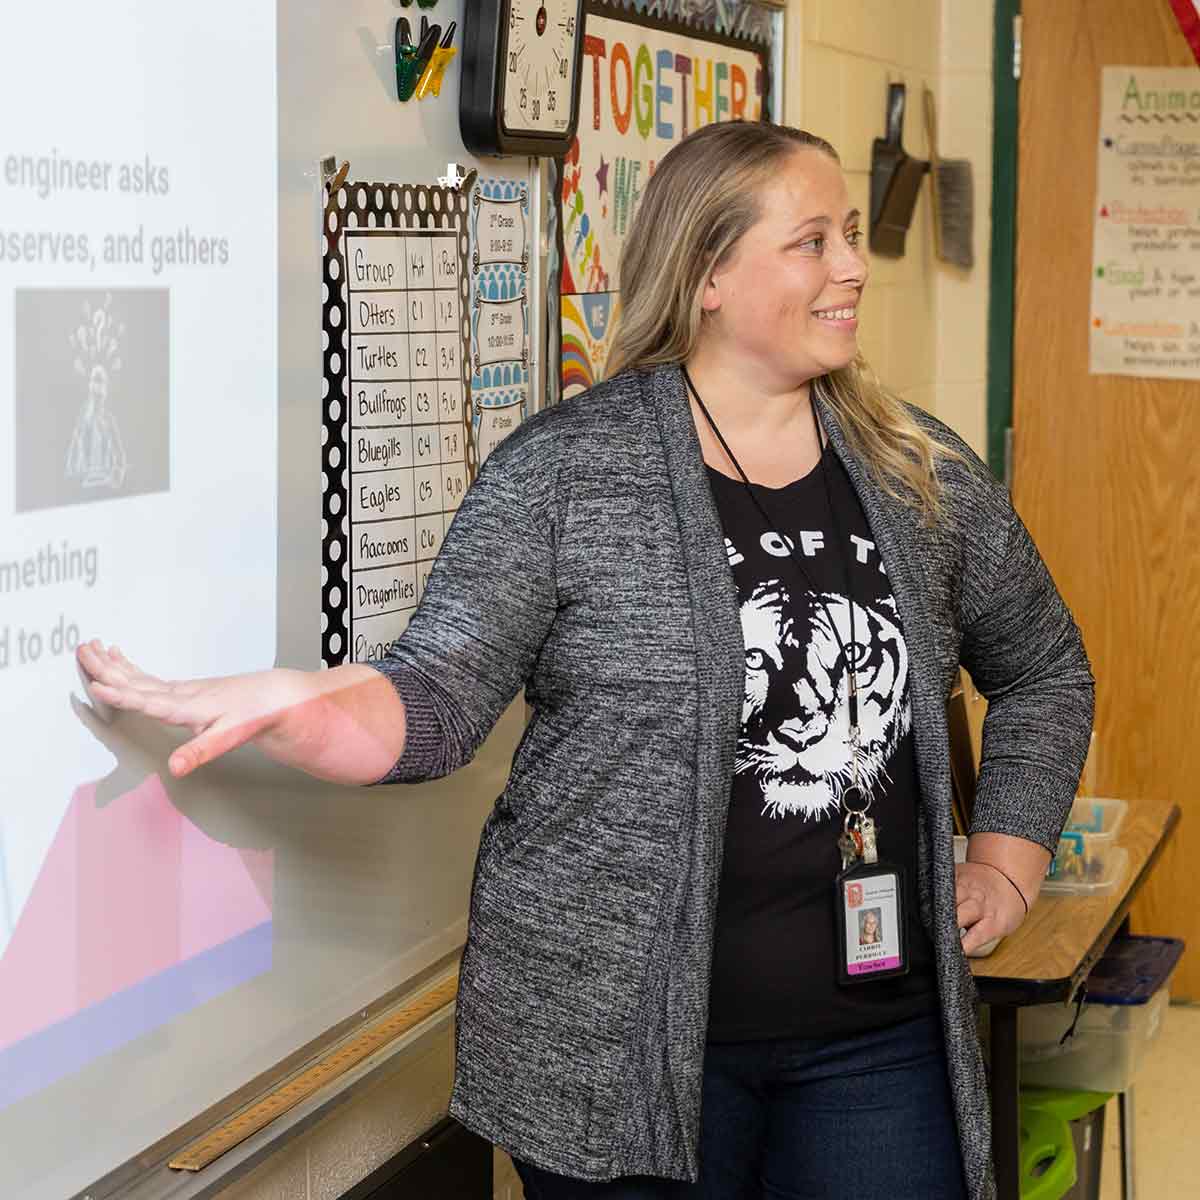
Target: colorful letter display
643,90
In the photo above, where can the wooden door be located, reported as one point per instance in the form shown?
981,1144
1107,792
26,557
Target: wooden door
1105,467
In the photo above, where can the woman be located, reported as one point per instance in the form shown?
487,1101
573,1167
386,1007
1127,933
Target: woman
868,928
737,691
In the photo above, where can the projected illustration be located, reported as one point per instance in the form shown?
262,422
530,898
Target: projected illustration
92,395
96,455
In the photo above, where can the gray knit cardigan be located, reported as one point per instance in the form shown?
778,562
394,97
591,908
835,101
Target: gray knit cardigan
587,564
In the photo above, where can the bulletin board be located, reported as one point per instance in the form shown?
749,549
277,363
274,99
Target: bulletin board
648,80
426,368
397,444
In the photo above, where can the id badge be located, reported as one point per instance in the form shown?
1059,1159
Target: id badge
872,922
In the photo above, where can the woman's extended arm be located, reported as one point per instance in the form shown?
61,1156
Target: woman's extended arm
346,725
424,708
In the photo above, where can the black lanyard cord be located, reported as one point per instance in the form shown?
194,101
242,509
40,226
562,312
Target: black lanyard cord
846,651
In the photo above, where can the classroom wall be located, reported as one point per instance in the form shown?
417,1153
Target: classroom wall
923,324
965,131
923,328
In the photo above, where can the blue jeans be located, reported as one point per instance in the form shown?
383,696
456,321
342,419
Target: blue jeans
861,1118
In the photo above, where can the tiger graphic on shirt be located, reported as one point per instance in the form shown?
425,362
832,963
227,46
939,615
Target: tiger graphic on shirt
795,666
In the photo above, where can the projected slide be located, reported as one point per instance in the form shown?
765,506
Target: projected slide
138,399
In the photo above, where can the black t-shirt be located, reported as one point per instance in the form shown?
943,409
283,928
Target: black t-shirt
774,964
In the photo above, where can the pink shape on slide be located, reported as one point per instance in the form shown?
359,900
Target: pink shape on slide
218,897
128,867
125,891
39,986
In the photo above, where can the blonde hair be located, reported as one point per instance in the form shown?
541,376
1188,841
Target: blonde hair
701,200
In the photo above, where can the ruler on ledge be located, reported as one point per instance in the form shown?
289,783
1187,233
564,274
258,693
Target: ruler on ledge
342,1058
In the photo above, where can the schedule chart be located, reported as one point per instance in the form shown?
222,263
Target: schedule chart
405,430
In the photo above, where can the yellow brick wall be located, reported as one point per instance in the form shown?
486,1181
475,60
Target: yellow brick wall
965,131
844,54
923,325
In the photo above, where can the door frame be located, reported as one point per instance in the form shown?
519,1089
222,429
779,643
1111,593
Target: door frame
1001,287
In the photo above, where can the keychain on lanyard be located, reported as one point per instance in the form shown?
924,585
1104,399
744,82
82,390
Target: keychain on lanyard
865,885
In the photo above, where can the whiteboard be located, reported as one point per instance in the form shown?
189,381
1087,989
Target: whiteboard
163,943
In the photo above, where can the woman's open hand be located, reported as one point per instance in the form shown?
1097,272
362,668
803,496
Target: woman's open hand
221,713
346,725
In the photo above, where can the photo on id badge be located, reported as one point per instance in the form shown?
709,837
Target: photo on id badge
872,927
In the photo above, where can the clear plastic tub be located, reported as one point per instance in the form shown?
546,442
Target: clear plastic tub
1116,863
1088,842
1108,1046
1097,816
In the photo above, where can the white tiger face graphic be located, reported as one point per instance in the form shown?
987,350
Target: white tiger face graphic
795,668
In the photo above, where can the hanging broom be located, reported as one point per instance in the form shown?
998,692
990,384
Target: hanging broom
953,198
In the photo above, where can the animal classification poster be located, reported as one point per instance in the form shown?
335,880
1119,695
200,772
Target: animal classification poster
645,86
1145,317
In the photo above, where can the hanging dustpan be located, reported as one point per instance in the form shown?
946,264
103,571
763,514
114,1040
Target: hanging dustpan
895,181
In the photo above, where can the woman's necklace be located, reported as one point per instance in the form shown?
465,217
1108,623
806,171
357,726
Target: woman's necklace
864,884
858,833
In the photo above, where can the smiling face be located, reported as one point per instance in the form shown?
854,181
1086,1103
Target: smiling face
784,302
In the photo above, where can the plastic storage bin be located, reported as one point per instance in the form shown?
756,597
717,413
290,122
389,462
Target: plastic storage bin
1114,861
1103,1055
1114,1030
1133,969
1089,842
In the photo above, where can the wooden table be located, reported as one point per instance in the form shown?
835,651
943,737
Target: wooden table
1047,960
